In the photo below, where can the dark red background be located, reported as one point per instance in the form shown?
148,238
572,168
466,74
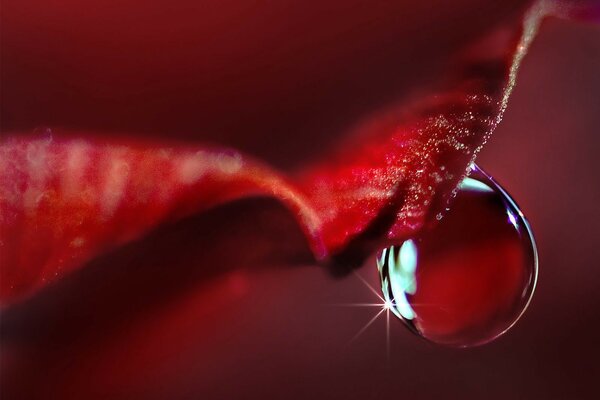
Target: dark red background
228,304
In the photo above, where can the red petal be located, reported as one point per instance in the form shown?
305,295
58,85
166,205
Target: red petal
64,201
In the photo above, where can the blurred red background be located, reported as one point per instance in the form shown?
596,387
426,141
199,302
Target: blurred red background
228,304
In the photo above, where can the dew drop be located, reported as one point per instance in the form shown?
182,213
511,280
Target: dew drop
468,279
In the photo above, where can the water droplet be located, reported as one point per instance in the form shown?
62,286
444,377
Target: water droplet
468,279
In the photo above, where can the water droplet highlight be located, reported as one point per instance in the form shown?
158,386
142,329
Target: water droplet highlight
468,279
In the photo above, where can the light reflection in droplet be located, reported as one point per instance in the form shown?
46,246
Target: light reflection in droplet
468,279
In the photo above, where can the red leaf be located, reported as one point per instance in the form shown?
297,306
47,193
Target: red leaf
65,199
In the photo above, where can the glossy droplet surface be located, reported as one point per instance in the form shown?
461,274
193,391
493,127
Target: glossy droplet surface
468,279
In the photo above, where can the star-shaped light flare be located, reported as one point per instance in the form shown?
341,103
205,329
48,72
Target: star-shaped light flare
382,306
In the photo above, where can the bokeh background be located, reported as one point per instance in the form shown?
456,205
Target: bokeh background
228,304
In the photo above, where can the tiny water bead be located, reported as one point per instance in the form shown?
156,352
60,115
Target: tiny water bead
468,279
